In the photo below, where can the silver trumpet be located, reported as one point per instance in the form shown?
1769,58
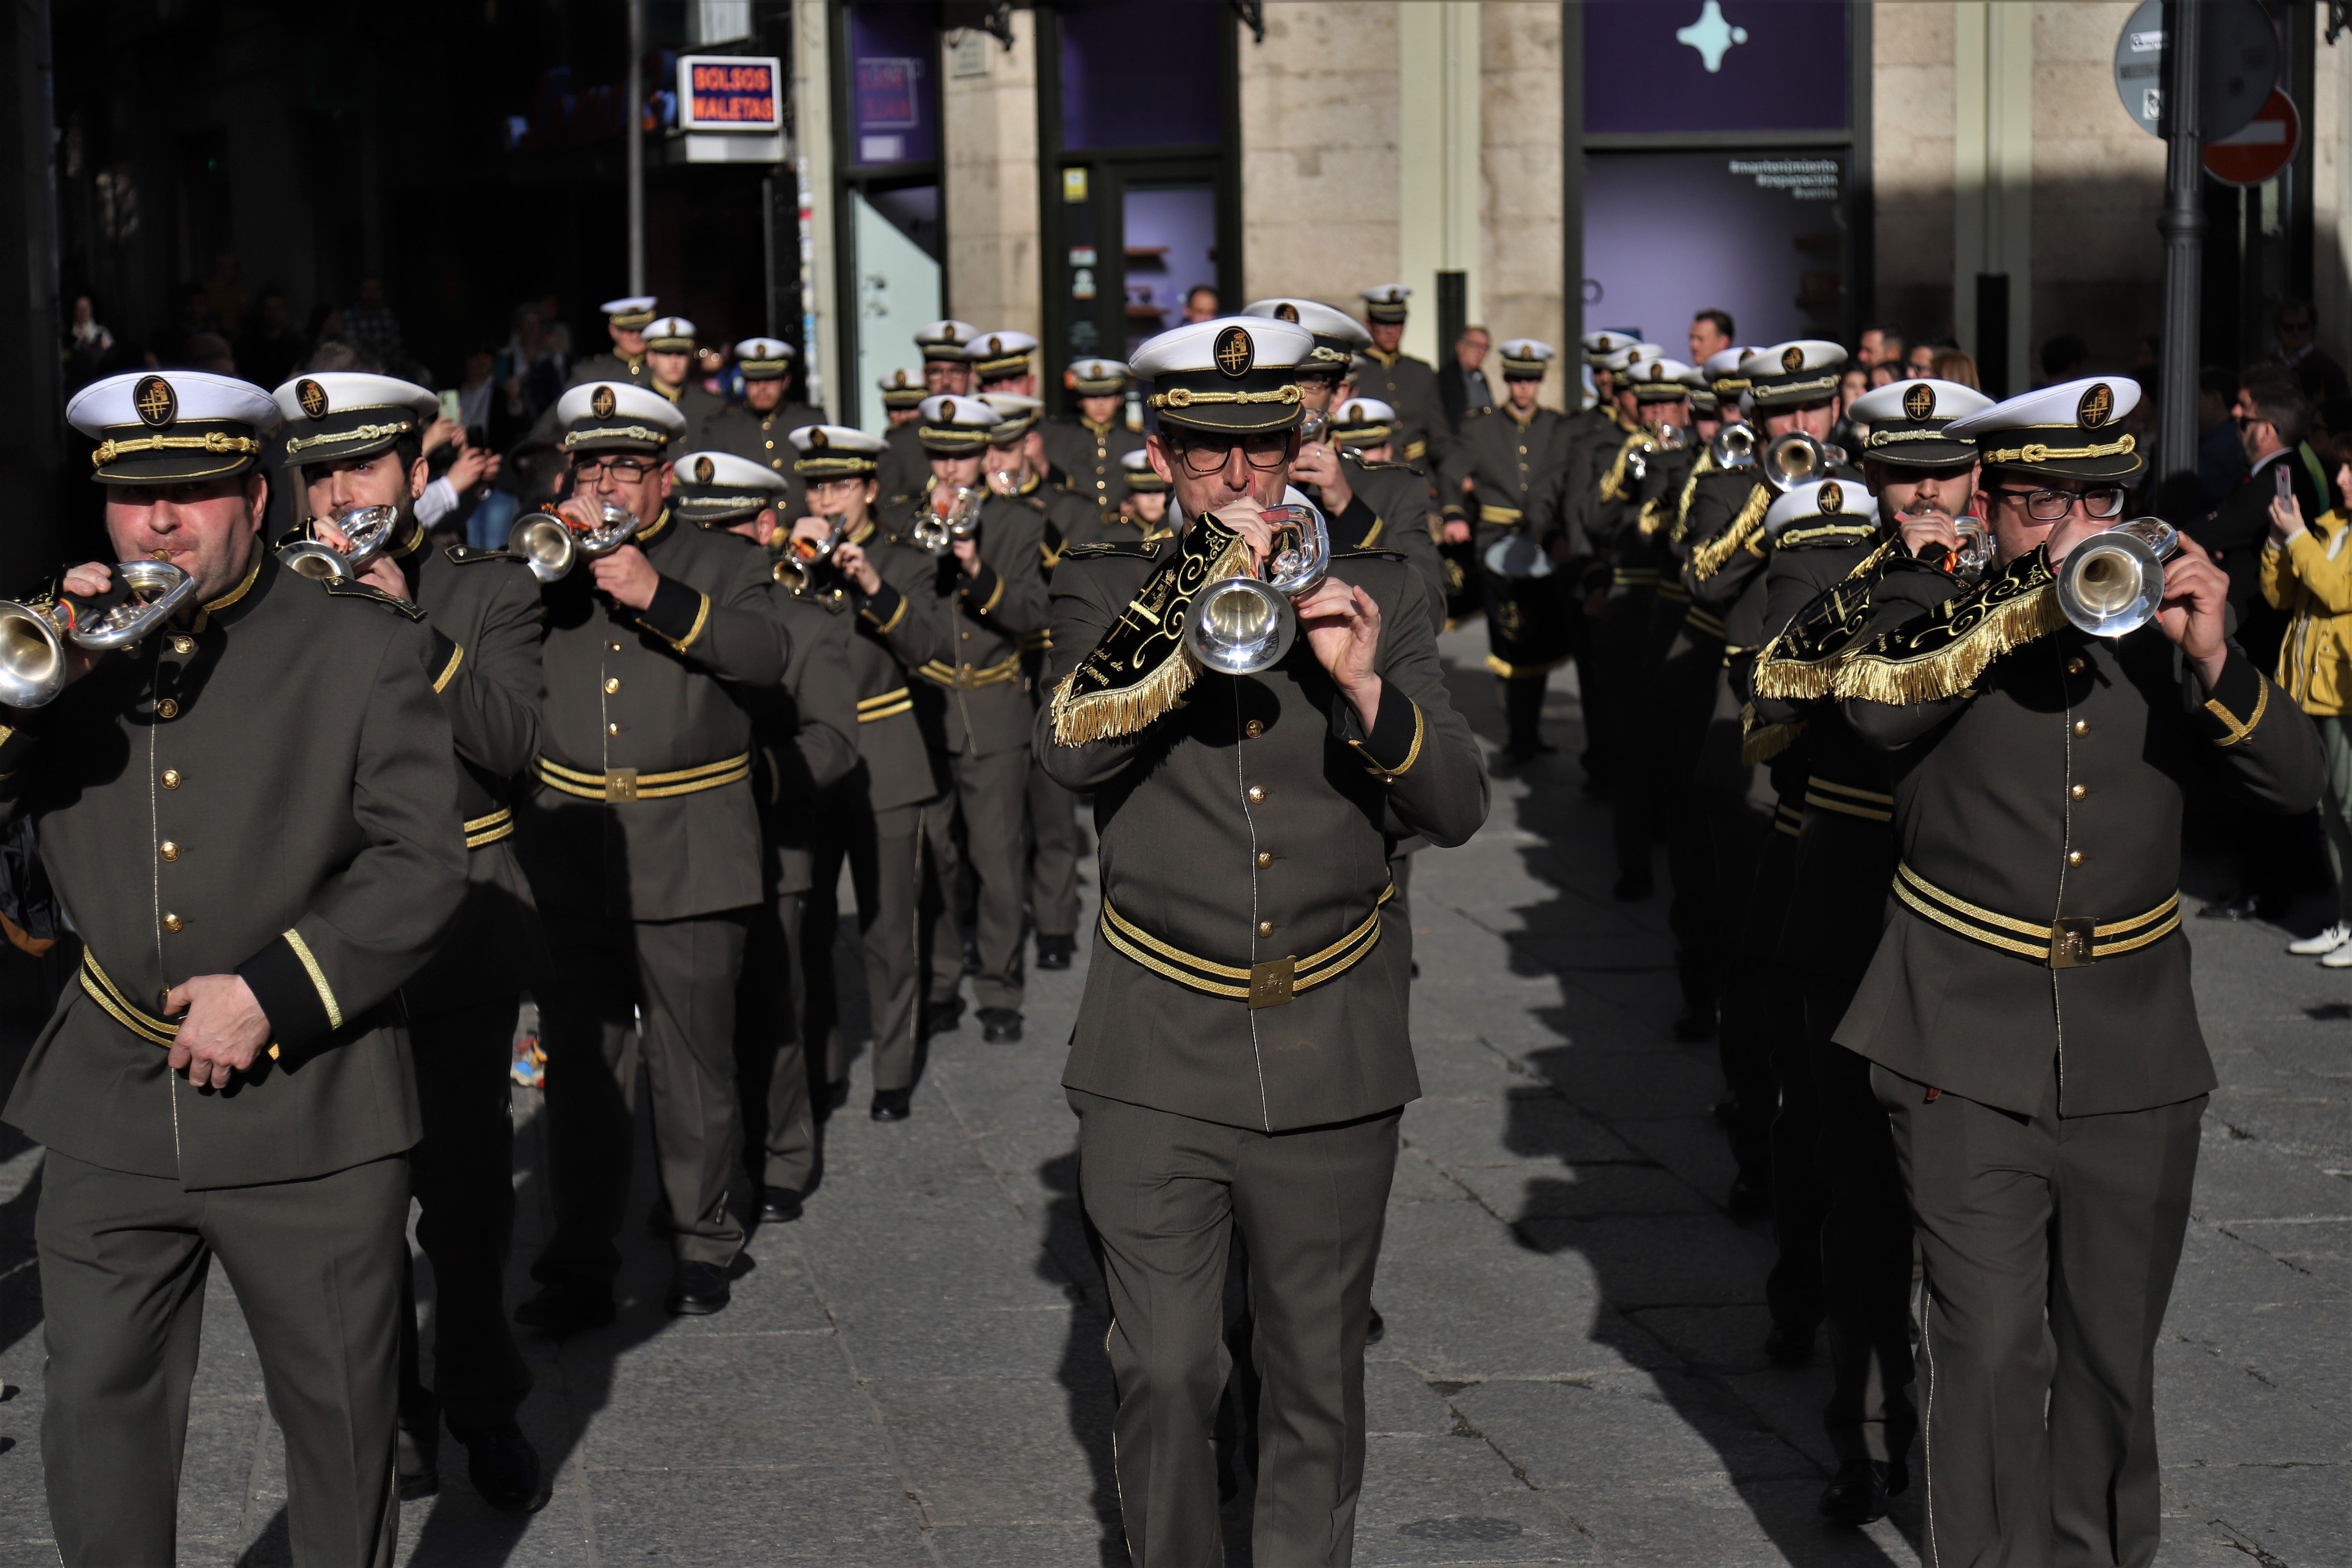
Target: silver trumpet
937,532
1314,426
802,557
33,636
2111,584
369,530
1975,551
1239,625
1733,446
551,546
1794,460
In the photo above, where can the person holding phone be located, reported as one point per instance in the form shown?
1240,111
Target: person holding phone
2307,577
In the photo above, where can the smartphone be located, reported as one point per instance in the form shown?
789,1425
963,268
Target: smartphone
449,404
2286,482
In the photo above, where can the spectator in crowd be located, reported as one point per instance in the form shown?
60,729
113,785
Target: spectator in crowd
195,317
267,353
2307,576
535,371
2062,358
533,475
1955,365
492,419
225,298
87,343
1852,381
1466,390
1201,304
2319,375
460,470
2221,462
1887,370
207,351
371,327
325,327
1880,344
1920,362
1710,334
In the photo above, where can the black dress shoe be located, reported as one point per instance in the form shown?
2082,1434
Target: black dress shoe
2240,907
1857,1496
1376,1328
559,1310
892,1104
1633,887
420,1471
998,1026
698,1290
779,1206
946,1017
832,1098
970,957
1789,1346
1695,1023
1751,1197
504,1468
1056,951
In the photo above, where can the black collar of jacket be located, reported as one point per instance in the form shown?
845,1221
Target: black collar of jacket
654,530
261,573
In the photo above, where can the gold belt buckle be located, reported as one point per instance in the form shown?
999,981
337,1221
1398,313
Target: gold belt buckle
2072,942
620,785
1270,983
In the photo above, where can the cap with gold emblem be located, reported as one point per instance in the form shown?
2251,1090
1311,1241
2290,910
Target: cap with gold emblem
1526,359
1097,377
1363,422
835,451
1703,400
1803,369
1909,423
614,416
1386,302
763,359
720,486
1723,373
1628,356
1339,336
903,388
953,427
631,312
1236,373
946,341
1002,355
1598,346
1823,502
1656,380
331,414
670,335
1015,416
168,427
2070,431
1141,477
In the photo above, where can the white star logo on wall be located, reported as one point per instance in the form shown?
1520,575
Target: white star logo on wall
1712,37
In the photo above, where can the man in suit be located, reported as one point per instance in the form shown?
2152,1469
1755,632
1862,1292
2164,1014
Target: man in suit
1465,390
1240,1061
1405,384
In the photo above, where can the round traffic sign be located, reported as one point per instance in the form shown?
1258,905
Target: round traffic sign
2239,60
2259,148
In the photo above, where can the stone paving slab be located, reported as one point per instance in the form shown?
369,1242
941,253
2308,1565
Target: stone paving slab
914,1374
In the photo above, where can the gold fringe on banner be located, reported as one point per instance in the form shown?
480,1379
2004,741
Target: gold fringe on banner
1706,465
1141,668
1709,558
1761,744
1612,483
1945,653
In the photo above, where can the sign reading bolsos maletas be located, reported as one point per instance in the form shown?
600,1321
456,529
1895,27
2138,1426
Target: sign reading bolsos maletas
2239,65
730,92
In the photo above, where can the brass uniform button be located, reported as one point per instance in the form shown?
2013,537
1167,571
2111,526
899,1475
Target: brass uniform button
183,645
173,922
769,445
169,851
170,778
1253,729
612,683
167,708
2082,726
1265,858
1265,928
2078,792
611,728
2075,667
1256,793
617,648
2074,857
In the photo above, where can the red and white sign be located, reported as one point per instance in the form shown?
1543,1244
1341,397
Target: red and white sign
2257,151
730,92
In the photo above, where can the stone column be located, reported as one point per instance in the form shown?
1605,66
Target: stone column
1318,120
1515,291
988,124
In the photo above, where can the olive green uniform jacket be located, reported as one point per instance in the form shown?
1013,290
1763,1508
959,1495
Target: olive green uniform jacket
1252,822
640,700
981,701
269,790
1512,468
1410,386
1387,508
803,731
902,627
762,438
1089,455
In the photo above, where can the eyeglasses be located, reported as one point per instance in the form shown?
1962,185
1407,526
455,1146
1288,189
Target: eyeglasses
628,470
1263,453
2050,506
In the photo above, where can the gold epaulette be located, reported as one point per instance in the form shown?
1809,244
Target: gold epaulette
1943,654
1612,483
1709,558
1706,465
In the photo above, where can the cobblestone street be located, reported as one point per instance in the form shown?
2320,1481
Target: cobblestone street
1573,1373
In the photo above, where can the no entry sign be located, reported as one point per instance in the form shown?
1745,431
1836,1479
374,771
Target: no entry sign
2258,150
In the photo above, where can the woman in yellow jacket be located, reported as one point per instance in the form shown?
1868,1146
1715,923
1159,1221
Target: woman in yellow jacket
2307,574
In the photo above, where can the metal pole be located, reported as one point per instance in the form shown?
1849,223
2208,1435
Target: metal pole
2183,227
633,116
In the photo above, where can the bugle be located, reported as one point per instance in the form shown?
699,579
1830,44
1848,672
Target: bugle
33,636
2111,584
1239,625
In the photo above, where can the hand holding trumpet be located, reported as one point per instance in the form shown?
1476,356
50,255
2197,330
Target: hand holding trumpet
623,573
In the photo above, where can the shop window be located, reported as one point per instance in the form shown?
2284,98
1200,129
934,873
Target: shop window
893,98
1139,73
1677,66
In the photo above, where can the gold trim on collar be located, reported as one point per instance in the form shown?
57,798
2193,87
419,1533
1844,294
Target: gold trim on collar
252,572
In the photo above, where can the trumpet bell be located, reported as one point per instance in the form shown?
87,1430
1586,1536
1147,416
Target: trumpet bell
1733,446
544,544
2110,585
1793,459
1240,625
32,657
313,558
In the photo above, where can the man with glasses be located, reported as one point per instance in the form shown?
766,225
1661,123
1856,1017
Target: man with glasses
2314,368
642,844
1241,1056
2027,1008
